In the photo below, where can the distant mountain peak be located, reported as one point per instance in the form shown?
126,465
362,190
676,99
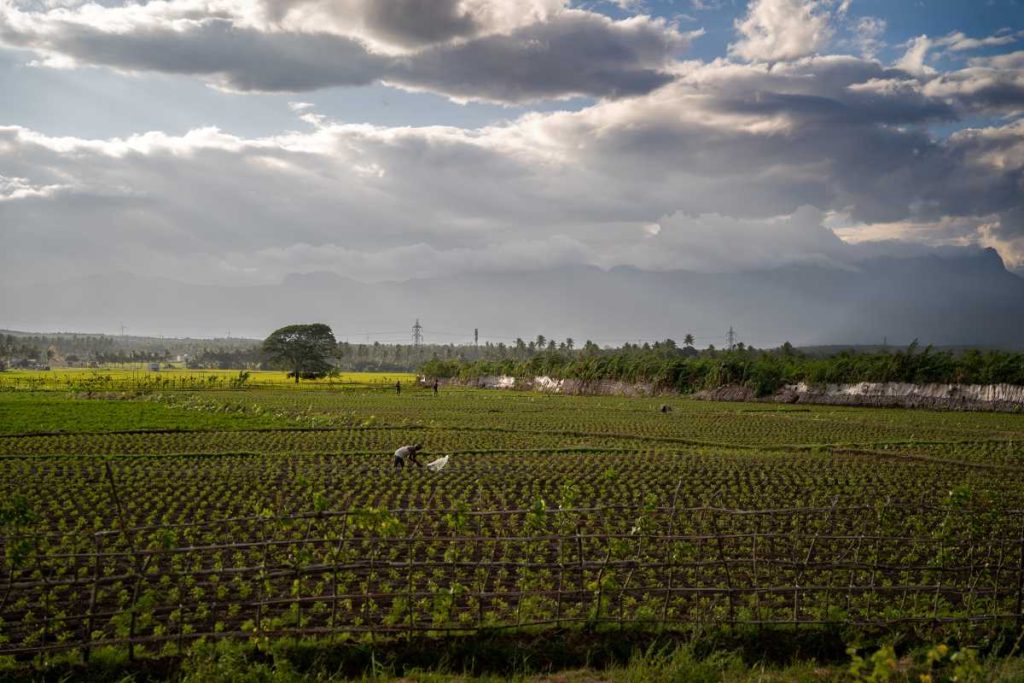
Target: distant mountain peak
315,277
951,297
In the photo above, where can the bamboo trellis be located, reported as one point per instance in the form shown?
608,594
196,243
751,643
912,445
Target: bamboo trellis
370,573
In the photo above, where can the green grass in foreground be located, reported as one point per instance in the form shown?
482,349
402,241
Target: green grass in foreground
302,662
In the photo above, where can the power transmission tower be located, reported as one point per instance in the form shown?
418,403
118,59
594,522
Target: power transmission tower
417,333
476,337
732,338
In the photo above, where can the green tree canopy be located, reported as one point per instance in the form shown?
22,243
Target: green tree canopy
303,349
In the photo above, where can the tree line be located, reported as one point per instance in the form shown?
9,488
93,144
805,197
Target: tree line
664,363
74,349
688,370
232,354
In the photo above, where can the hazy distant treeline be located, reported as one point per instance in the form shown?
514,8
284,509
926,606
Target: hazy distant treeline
246,354
665,363
74,349
764,371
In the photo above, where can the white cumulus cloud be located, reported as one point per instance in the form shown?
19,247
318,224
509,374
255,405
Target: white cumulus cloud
776,30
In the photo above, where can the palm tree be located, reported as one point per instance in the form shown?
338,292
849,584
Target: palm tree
688,340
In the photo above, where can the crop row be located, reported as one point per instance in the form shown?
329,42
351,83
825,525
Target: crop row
349,440
999,452
639,418
375,570
73,493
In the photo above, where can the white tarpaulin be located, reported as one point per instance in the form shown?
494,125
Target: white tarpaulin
439,464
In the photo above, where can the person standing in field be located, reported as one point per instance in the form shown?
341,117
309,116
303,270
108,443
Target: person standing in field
408,453
435,387
398,387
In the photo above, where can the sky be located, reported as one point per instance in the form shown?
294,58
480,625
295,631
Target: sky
236,142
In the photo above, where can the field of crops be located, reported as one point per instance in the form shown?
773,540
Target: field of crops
138,377
175,515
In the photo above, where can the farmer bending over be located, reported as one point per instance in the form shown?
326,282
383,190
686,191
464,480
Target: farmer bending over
407,452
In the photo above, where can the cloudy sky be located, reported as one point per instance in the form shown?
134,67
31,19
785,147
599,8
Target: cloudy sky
237,141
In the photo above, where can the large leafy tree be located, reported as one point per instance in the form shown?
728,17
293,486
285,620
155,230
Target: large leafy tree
303,349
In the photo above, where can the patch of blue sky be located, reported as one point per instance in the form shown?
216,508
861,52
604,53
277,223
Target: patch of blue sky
388,106
943,130
97,102
904,20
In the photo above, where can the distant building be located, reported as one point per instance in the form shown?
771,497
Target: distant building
154,367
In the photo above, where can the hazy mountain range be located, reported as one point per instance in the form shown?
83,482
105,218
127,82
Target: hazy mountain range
966,299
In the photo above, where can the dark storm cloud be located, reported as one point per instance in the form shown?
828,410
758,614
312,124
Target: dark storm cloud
803,134
577,53
987,85
415,23
570,53
838,89
244,59
410,23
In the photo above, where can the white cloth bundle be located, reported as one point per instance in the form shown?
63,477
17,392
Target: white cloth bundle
439,464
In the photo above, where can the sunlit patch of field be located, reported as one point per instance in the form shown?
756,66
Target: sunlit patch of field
139,376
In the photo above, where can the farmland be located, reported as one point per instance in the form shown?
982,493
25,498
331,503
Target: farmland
136,377
149,516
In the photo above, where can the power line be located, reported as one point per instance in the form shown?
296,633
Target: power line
701,335
701,338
